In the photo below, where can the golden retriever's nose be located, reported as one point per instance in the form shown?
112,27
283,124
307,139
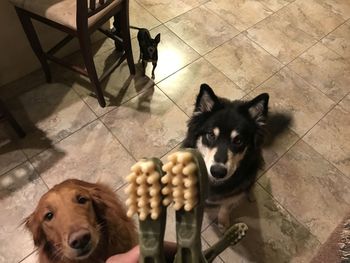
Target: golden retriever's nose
79,239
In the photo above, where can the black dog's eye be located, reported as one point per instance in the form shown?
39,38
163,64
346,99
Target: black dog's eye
48,216
211,136
237,141
81,199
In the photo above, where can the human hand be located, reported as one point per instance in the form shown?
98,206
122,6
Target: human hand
132,256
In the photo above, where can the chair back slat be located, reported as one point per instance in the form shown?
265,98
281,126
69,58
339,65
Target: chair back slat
96,6
92,5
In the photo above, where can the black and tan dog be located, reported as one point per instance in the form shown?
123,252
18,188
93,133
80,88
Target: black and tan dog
229,135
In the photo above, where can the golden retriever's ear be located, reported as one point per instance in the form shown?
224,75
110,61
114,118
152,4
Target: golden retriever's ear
106,204
33,225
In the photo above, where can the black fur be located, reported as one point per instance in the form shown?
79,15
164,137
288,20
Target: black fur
246,117
148,48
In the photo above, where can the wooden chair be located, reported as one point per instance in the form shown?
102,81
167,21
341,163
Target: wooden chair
77,18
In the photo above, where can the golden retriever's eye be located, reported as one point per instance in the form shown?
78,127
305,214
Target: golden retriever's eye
81,199
48,216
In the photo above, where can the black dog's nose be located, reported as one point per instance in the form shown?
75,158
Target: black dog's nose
79,239
218,171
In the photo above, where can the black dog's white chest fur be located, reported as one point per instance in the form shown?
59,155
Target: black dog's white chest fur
229,135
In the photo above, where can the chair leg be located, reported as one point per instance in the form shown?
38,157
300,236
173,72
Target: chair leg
85,46
34,42
125,30
7,115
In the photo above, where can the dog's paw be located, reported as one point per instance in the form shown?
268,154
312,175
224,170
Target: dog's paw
224,220
222,226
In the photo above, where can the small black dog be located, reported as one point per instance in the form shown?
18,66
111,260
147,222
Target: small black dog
148,48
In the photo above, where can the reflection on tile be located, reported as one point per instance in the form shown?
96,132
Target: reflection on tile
310,188
244,62
183,86
325,70
275,5
313,17
240,13
91,154
10,153
280,38
148,125
330,137
20,189
119,87
140,17
165,10
291,95
48,114
193,28
273,235
173,53
339,41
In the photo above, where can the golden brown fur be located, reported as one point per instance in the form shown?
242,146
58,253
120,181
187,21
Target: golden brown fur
77,207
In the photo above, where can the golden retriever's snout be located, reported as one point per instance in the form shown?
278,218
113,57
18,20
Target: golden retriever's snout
79,239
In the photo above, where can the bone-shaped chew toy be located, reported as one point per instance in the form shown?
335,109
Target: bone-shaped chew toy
182,183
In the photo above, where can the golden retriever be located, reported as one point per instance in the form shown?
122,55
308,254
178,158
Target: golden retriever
81,222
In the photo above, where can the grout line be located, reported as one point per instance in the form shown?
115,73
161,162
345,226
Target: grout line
141,5
328,161
279,158
191,8
110,131
183,40
39,174
31,253
15,167
289,213
61,139
287,64
300,138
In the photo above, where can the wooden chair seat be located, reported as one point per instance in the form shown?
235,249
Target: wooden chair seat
63,12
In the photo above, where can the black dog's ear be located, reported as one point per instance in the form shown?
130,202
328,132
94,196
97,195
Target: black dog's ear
258,108
34,226
206,100
157,38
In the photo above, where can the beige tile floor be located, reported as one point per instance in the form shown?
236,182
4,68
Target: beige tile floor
297,51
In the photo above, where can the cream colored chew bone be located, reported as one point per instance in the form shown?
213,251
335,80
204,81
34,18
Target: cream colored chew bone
180,181
143,190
